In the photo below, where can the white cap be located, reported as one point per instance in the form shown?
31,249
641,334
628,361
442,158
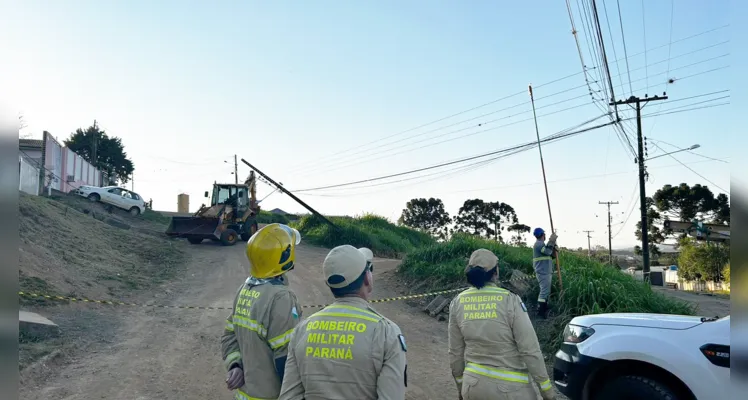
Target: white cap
344,264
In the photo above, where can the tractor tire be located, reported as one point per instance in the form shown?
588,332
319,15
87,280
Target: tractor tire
94,197
194,240
249,232
635,387
229,237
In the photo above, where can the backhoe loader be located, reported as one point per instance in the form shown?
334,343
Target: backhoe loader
232,215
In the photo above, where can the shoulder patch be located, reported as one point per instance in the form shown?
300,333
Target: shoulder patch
402,342
294,313
523,306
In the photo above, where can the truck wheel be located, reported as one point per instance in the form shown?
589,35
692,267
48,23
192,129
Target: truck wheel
635,387
195,240
251,230
229,237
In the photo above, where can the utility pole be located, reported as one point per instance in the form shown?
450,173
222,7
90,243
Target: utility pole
610,234
642,173
589,248
236,170
94,147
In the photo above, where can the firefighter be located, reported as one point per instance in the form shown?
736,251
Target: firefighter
542,259
493,350
346,350
255,340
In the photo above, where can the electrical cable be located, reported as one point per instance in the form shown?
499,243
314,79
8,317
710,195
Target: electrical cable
306,165
528,145
625,51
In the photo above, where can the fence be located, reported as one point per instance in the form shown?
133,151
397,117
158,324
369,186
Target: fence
701,286
28,176
66,170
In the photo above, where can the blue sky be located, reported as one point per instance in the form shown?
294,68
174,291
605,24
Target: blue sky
297,88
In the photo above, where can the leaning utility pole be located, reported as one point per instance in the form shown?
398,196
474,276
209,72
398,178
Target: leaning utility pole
610,234
642,174
236,170
589,248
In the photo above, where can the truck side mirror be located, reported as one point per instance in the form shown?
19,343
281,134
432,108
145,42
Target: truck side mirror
206,193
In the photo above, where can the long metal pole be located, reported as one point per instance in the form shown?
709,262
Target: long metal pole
545,183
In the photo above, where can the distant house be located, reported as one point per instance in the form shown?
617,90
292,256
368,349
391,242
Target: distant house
278,211
31,149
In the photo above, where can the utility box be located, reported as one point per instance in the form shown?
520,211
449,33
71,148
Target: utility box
183,203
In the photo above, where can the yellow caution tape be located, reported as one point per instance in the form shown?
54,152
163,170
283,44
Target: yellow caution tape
122,303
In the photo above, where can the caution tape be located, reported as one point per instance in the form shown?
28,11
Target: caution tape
122,303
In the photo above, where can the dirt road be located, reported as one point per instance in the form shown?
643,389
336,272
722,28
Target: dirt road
160,353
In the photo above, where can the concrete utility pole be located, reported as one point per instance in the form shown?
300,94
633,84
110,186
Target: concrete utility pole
610,234
95,148
236,170
589,248
642,173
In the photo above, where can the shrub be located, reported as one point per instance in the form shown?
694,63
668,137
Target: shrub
266,217
726,273
374,232
589,286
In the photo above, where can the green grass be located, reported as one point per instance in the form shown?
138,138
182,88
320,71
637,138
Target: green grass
384,238
266,217
589,286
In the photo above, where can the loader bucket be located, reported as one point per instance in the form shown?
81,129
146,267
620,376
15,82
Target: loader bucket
193,227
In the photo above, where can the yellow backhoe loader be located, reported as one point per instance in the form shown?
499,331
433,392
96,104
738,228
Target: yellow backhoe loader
232,215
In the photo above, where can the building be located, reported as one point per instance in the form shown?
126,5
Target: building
183,203
31,149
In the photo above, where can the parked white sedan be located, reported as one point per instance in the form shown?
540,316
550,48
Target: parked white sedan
114,195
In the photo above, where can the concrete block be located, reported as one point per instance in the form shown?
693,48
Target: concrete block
437,305
35,326
520,282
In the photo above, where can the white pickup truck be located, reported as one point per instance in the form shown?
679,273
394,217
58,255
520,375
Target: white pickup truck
644,356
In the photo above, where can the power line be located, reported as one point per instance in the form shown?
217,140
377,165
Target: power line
527,146
306,165
692,170
483,189
644,29
345,163
625,52
690,151
387,153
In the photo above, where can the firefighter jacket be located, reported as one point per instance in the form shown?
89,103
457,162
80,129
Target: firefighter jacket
257,334
491,338
346,351
542,257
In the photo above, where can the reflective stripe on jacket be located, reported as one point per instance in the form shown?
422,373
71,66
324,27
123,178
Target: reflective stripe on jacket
257,333
541,257
491,336
346,351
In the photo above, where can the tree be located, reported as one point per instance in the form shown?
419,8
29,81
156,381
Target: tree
702,260
518,230
427,215
485,219
681,203
110,153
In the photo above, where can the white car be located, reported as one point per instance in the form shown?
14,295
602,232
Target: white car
114,195
644,356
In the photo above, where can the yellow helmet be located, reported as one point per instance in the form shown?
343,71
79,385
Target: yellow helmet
271,251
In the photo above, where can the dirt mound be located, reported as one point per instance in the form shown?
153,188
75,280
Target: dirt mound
72,247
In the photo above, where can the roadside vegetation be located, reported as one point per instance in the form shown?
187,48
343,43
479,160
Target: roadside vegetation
590,287
266,217
384,238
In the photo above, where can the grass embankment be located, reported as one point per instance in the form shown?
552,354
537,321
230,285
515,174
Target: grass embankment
266,217
589,286
381,236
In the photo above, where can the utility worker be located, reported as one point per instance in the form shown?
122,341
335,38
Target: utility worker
542,259
493,350
255,341
346,350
